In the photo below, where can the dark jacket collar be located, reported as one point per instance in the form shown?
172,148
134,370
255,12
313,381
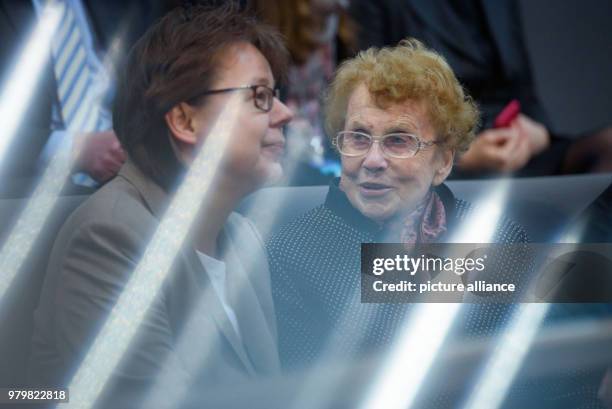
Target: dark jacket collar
337,201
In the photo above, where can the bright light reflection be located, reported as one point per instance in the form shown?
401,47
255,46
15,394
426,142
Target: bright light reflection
32,219
22,82
416,349
482,223
144,284
495,382
17,94
46,193
267,220
168,392
507,358
407,365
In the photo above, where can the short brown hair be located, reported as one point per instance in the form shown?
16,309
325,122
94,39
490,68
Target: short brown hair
408,71
176,60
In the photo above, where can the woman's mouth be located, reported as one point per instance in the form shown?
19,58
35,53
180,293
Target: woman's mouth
370,189
274,150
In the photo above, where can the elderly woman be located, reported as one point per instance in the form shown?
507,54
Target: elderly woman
212,321
398,117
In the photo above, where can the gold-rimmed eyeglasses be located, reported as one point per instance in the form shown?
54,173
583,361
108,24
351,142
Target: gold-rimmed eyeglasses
396,145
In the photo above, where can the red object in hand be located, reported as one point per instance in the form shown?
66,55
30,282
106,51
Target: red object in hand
508,114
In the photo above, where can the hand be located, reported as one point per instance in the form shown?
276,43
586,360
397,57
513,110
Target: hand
499,150
100,155
535,132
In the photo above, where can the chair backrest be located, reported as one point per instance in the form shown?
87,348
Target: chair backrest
543,205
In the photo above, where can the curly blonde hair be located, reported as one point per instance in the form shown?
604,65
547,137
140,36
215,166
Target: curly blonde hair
409,71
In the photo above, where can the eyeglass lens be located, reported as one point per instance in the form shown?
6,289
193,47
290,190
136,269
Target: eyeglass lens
396,144
264,98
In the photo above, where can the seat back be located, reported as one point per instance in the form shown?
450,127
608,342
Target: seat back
543,205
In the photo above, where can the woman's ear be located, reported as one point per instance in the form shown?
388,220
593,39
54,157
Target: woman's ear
180,120
446,159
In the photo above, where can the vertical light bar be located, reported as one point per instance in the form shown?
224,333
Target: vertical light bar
15,98
481,225
32,219
267,219
497,377
507,358
417,347
144,284
22,82
172,385
168,393
407,365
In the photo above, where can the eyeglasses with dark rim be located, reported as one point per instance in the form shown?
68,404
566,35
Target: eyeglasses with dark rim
396,145
263,96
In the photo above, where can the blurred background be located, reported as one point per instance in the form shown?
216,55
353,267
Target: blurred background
552,58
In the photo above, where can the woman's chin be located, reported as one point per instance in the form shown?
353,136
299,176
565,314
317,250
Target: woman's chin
274,174
376,212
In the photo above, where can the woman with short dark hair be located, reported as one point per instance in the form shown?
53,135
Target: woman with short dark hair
178,60
179,79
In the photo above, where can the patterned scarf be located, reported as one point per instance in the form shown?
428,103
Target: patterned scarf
426,223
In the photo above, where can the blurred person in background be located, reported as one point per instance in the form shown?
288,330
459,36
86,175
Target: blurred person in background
318,34
484,44
178,78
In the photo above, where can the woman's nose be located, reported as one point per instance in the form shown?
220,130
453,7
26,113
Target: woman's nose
375,159
280,114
